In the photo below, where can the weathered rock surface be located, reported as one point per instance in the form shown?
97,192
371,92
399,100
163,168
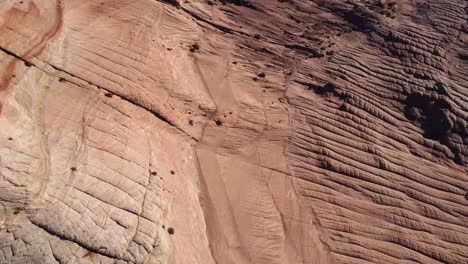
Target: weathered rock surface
257,131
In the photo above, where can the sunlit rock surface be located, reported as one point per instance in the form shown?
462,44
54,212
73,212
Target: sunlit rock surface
259,131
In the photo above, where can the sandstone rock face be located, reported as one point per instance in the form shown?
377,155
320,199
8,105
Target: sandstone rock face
219,131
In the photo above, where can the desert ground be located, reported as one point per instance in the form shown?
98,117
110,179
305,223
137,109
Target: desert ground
234,131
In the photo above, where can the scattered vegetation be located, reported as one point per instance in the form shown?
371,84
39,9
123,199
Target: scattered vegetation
195,47
170,230
387,9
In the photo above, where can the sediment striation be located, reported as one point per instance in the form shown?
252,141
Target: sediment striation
218,131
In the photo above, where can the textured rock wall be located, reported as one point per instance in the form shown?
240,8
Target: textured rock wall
233,131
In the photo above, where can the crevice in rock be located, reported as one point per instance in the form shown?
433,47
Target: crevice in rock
359,17
98,251
217,26
26,62
244,3
313,52
129,100
322,90
170,2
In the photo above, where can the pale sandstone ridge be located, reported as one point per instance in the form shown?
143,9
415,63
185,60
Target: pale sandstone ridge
219,131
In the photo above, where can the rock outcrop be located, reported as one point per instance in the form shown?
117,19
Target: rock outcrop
218,131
